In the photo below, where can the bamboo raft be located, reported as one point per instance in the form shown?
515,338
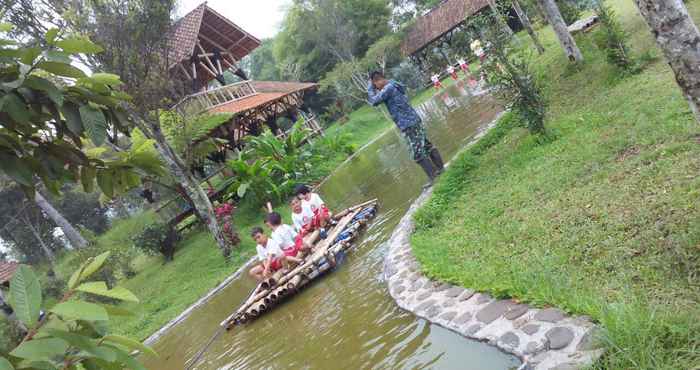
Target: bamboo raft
273,291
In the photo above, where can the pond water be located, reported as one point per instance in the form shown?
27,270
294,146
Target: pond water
347,320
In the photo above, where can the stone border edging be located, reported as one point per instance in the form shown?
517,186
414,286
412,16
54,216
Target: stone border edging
541,338
184,314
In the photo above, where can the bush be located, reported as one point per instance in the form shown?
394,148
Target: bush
157,238
613,39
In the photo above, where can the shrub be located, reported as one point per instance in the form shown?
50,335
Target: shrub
73,334
157,238
612,38
508,74
569,10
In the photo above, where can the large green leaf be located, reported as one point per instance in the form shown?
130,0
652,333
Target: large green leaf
5,365
87,178
72,115
87,269
47,86
126,359
117,311
16,168
78,44
26,295
61,69
79,310
16,107
51,36
106,78
243,189
105,179
94,123
86,344
130,344
41,349
100,288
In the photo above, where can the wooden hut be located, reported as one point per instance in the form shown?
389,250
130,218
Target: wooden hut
202,46
437,27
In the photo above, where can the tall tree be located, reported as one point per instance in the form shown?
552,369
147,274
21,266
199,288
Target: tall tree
525,20
678,37
134,34
561,30
76,240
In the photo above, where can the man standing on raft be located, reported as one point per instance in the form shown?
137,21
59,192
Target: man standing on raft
393,94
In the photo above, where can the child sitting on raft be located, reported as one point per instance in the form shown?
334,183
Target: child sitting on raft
322,217
270,256
285,236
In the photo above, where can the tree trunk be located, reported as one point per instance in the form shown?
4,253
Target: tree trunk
499,17
47,251
525,20
565,39
198,197
678,37
76,240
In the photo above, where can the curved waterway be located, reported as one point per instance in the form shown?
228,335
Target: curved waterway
347,320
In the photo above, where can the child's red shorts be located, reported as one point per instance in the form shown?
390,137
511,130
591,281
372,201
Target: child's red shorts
298,244
319,215
276,264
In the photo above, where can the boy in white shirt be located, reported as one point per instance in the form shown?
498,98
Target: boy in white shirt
285,236
465,68
270,256
322,216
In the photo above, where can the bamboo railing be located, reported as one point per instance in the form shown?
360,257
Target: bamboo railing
205,100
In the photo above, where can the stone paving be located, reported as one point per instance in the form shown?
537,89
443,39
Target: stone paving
541,338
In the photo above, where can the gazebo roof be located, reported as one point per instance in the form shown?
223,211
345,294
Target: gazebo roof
439,21
213,31
7,270
267,92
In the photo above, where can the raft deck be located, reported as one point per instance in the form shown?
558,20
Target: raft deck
271,292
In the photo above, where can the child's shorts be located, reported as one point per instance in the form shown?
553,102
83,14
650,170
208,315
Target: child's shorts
276,264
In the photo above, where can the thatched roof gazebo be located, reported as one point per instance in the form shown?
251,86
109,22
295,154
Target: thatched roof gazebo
203,44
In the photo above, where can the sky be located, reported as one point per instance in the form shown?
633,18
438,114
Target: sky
261,18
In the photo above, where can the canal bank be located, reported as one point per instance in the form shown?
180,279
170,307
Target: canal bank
541,338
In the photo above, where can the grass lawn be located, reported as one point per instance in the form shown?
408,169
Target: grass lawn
603,220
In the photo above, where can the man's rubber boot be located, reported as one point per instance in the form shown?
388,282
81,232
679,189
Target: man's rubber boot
427,165
437,161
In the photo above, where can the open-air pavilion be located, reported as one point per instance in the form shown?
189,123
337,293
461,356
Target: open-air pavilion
203,47
437,28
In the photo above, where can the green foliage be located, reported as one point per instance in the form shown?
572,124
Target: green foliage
45,122
157,238
613,39
569,10
70,335
508,72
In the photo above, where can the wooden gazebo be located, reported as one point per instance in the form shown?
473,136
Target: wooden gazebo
437,27
203,45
